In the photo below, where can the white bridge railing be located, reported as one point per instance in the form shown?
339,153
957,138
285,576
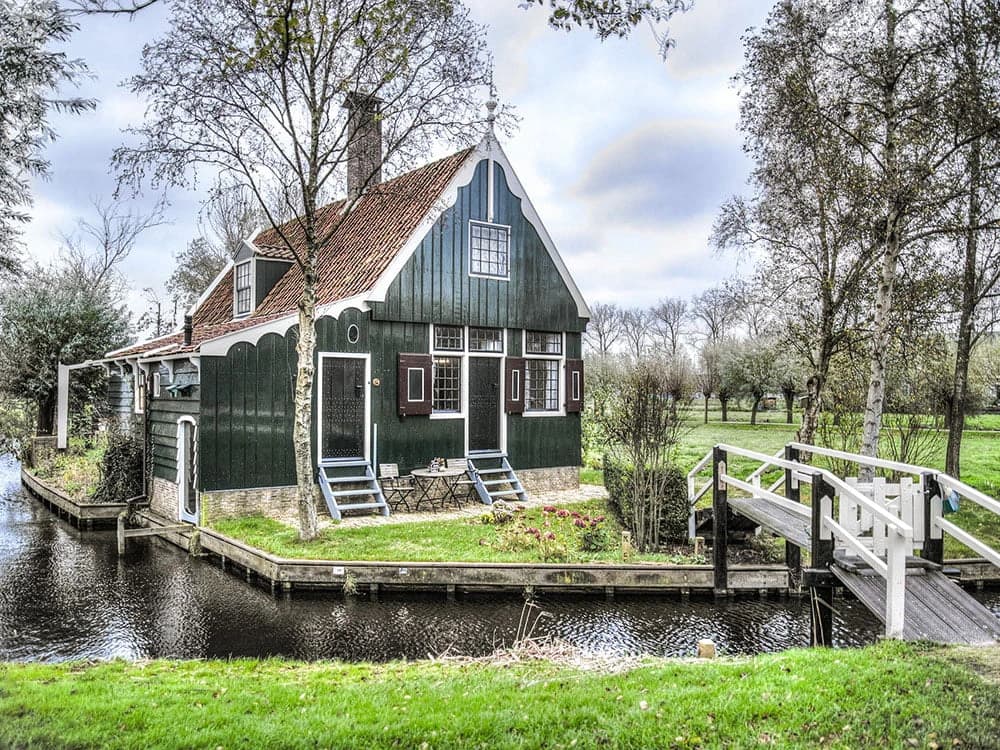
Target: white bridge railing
878,521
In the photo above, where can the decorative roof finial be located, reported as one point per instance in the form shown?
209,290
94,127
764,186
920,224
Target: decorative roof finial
491,105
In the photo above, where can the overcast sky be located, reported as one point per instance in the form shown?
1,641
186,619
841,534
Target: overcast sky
626,157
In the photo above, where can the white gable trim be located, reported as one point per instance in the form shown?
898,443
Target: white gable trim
219,347
488,148
211,288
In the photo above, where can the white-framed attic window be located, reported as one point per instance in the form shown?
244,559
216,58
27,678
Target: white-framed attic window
489,250
243,288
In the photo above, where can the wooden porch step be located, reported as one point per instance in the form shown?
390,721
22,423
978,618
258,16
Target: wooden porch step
361,506
344,480
504,492
352,493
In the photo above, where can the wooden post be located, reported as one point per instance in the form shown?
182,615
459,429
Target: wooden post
793,555
720,511
933,548
121,533
821,620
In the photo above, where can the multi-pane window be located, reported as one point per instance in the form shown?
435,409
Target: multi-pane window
541,385
448,338
485,340
447,384
489,250
542,342
244,291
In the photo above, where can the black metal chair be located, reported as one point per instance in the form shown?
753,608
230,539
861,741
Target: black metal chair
397,489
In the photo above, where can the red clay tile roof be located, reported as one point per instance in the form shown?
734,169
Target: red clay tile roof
351,262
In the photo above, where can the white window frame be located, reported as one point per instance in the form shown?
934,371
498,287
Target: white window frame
577,391
253,285
181,479
409,395
560,377
490,225
156,383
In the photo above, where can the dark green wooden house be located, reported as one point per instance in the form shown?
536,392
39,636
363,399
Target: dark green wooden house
448,326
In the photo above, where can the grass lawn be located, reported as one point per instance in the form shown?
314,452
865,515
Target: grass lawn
454,540
891,695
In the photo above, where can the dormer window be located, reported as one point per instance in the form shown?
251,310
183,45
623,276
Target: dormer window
243,289
489,250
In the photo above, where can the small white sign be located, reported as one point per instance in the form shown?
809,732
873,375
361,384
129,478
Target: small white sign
338,570
404,571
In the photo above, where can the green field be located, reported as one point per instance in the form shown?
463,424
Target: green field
891,695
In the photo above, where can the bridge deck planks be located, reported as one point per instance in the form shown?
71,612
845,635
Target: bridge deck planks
937,609
776,519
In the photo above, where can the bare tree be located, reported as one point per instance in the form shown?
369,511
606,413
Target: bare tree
974,54
635,330
709,372
95,250
257,90
716,311
670,320
604,328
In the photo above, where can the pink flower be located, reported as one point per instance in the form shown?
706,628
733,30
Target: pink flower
599,519
549,509
579,523
550,535
562,513
575,514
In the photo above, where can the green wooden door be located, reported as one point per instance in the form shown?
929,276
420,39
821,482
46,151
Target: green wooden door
484,404
342,408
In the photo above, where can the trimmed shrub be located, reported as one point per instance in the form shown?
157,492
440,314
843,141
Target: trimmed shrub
670,497
121,468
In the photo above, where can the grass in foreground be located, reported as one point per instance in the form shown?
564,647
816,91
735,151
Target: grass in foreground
890,695
454,540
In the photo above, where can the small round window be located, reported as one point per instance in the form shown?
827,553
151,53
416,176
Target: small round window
353,334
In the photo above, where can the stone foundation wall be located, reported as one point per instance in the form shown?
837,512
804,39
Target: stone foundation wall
549,479
164,499
278,503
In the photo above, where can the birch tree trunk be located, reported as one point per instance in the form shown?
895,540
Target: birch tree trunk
880,339
304,376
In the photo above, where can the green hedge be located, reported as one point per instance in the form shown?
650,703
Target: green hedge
671,484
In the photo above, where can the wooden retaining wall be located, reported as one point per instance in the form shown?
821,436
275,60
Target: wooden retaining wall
288,574
87,515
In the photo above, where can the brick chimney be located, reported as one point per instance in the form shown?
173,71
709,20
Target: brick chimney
364,149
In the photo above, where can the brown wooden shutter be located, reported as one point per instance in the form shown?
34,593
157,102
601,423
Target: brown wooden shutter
574,385
413,384
513,385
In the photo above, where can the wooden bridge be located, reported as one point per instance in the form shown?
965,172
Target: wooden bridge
859,535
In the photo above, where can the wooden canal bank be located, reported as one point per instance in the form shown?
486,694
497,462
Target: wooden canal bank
287,574
82,515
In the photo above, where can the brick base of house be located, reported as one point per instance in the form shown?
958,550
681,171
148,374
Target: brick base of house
549,479
280,503
164,500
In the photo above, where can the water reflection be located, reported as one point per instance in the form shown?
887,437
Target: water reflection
66,594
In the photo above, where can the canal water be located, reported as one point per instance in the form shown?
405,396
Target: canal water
65,594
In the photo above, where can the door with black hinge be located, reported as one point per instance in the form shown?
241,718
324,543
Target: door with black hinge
484,404
342,411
